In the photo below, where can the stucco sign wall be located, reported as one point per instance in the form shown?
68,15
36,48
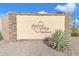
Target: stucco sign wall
38,27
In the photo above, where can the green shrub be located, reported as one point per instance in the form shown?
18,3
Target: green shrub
1,37
58,40
75,34
75,31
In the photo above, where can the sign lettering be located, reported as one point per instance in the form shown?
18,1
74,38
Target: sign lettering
40,28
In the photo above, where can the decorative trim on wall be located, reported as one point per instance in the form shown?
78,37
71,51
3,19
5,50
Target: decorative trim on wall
12,27
68,24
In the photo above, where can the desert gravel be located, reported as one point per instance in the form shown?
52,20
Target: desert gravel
36,48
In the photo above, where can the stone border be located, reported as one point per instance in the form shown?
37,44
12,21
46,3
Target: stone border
68,25
12,27
13,24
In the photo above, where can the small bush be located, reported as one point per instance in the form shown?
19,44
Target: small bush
1,37
75,31
75,34
58,41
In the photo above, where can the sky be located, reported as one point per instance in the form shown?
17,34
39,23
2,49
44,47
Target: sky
72,8
28,7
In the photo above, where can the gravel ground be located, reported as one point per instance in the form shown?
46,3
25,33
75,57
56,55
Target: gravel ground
74,46
36,48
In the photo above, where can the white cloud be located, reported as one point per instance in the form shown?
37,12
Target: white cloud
68,8
76,22
42,12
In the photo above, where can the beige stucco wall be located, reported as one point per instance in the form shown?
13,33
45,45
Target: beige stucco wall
5,28
48,24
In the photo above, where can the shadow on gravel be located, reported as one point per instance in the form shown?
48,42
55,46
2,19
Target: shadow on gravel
45,41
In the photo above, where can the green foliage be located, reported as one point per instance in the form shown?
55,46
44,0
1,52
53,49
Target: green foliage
58,41
1,37
75,31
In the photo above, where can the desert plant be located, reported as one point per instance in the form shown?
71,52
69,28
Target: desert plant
58,40
1,37
75,31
